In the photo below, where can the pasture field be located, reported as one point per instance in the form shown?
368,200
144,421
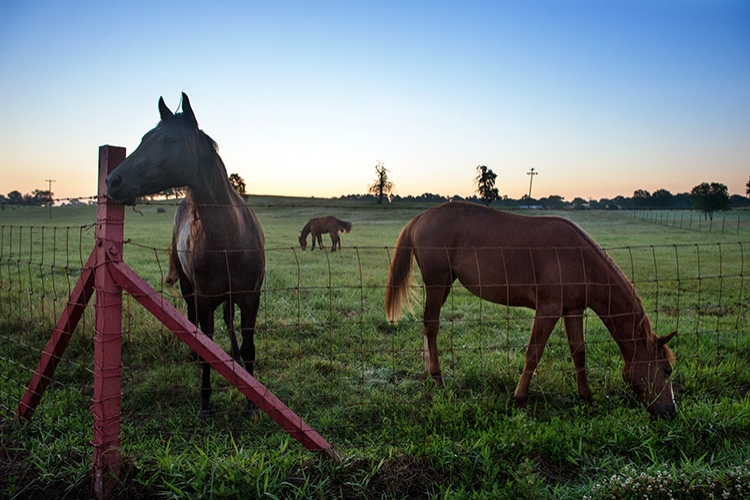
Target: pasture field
325,349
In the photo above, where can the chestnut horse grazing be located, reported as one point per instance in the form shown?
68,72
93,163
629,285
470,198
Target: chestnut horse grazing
319,225
548,264
217,243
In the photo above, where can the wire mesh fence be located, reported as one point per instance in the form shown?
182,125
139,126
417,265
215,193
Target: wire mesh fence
326,350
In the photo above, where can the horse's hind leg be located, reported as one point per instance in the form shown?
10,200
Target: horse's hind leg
540,333
436,296
574,332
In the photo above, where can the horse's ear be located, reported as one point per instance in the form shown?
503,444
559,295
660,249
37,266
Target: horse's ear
666,338
187,110
164,111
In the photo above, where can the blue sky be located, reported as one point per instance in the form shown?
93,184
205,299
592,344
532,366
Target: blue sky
600,97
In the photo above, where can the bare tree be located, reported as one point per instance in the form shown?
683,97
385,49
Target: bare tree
382,186
485,180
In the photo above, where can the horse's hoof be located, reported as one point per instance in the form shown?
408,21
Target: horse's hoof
251,409
205,413
521,401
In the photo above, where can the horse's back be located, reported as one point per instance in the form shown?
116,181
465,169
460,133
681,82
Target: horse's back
504,257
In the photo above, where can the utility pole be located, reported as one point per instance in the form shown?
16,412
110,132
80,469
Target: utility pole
531,179
49,193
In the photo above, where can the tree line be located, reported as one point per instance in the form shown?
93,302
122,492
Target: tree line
40,197
706,197
37,197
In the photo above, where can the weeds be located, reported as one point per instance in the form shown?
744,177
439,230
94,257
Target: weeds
325,349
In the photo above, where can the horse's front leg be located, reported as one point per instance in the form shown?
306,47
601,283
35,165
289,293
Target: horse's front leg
249,312
334,237
229,321
574,332
540,333
206,320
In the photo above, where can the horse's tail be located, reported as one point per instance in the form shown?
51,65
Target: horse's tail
398,292
344,226
172,276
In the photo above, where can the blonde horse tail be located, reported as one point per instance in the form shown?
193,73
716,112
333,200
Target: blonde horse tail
398,291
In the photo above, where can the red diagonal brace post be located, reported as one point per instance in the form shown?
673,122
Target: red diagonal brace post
220,360
105,406
82,292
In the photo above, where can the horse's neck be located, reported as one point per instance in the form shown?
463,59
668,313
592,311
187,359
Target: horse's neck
622,312
306,230
215,201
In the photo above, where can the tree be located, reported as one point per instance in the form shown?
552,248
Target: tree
237,182
177,192
15,198
641,198
485,180
708,198
41,197
382,186
747,191
554,201
662,198
579,203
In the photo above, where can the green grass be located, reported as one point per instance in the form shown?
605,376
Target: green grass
325,349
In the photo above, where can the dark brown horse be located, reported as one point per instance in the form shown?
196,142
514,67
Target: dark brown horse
320,225
217,242
548,264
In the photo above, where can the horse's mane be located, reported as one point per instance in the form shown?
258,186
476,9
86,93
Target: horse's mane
644,322
195,141
200,142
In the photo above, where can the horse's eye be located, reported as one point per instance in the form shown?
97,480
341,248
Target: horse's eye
668,371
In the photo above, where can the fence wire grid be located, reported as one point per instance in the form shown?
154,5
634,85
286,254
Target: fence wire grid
326,350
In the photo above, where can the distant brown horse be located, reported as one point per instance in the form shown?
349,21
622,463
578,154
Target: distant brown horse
217,242
320,225
548,264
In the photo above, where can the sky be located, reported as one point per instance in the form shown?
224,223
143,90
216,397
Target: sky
600,97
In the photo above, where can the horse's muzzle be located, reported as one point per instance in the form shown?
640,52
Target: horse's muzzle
667,412
119,192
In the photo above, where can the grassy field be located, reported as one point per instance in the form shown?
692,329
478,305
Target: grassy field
325,349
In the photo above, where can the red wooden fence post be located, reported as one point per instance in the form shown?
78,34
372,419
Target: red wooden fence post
105,406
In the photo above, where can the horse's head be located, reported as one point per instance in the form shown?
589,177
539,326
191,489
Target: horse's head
302,242
650,375
166,157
